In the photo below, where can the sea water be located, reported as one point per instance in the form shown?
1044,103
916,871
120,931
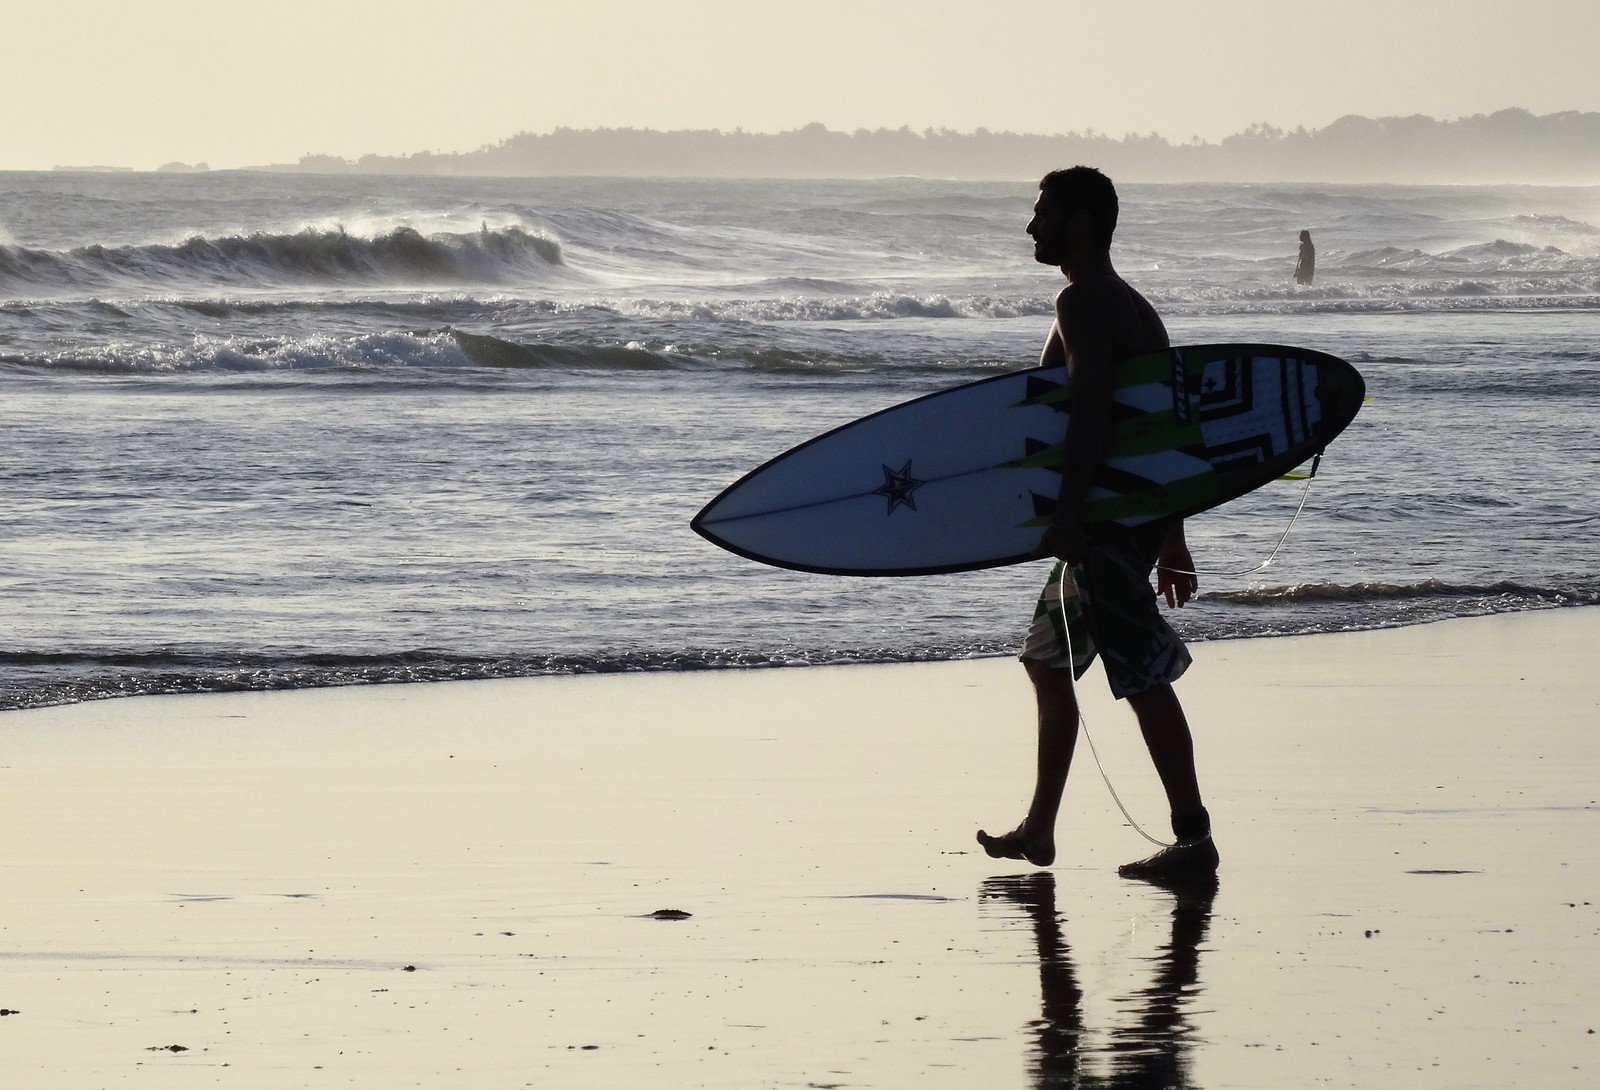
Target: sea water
275,430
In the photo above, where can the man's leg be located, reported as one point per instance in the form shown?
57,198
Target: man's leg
1035,839
1166,735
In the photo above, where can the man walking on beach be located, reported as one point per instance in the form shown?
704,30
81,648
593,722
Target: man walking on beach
1104,580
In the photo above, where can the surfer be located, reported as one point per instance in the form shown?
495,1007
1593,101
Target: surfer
1305,264
1105,582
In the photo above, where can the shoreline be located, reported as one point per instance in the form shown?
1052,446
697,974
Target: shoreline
431,882
658,664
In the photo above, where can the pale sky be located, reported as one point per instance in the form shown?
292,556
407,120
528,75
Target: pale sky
143,82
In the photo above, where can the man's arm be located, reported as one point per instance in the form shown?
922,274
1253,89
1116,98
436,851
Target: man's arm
1087,339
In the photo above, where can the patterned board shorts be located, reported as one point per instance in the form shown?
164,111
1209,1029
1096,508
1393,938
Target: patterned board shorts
1111,611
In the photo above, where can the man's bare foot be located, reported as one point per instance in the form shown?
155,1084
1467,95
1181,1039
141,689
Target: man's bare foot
1194,861
1020,844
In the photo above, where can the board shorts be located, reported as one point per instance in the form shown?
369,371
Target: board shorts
1113,614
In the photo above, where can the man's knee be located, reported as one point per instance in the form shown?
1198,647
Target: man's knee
1155,698
1049,679
1159,712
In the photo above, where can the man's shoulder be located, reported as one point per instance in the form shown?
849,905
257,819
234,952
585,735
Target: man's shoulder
1092,294
1099,295
1110,307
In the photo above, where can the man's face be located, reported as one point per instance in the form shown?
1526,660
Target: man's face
1051,228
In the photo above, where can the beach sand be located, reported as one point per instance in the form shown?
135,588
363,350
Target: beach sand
454,885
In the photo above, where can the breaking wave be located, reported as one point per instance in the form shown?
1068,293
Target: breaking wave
451,354
373,353
872,306
402,256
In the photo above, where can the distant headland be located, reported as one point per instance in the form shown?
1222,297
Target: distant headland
1510,146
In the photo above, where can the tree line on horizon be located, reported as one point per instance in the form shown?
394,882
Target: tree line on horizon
1509,146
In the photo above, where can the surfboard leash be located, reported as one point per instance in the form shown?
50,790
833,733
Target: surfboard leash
1305,494
1083,724
1066,629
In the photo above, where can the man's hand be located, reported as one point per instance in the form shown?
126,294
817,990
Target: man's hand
1175,580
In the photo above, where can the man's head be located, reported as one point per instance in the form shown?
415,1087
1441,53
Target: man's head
1076,206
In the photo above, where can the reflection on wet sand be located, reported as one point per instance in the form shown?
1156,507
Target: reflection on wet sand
1152,1052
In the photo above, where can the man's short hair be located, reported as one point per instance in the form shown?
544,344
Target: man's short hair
1085,187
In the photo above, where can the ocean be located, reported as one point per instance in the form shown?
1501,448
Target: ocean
276,431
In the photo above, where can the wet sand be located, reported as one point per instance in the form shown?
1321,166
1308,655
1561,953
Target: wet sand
458,884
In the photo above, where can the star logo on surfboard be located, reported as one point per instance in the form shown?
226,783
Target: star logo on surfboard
898,486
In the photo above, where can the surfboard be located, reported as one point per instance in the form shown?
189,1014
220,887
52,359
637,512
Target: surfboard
967,478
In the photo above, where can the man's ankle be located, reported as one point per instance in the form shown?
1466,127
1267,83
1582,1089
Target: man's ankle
1191,826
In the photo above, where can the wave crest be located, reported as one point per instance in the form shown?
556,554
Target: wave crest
402,256
447,350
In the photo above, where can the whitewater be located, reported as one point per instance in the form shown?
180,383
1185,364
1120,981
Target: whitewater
272,430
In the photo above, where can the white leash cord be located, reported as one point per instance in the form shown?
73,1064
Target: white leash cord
1083,724
1305,494
1066,630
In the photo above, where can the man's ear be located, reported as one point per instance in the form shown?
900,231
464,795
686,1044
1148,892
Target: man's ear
1081,223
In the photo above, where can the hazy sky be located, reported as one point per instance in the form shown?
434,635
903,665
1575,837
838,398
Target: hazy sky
142,82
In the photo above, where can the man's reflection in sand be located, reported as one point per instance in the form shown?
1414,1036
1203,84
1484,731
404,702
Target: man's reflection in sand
1153,1053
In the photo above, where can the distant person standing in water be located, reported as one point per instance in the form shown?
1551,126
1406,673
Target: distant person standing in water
1305,266
1110,607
